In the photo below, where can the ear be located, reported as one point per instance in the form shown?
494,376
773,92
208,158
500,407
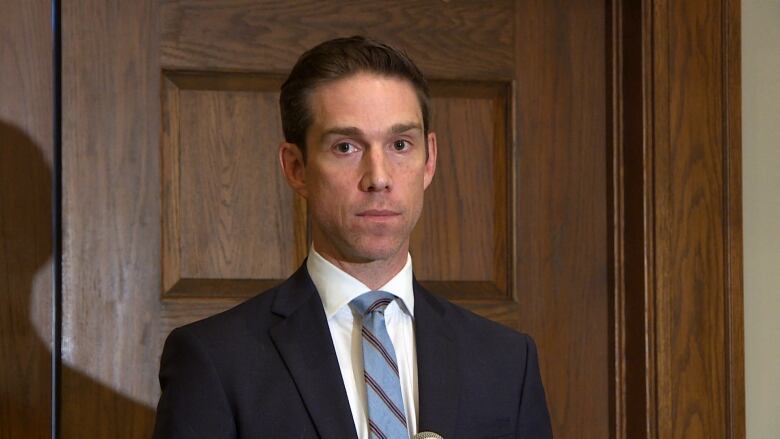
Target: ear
293,168
430,164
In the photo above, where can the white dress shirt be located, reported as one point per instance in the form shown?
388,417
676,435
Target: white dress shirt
337,289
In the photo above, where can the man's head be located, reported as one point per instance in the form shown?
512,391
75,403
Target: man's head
337,59
369,160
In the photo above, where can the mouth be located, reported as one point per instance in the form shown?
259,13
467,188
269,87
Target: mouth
378,214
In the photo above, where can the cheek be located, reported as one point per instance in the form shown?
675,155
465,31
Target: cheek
327,202
415,193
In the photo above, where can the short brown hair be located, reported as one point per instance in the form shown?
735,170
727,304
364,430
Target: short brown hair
336,59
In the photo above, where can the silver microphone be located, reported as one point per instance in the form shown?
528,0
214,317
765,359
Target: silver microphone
427,435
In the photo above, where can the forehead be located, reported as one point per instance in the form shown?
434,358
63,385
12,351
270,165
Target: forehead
365,100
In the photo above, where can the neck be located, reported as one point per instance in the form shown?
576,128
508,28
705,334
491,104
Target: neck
372,274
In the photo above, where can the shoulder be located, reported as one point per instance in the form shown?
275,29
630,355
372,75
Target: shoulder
236,318
256,315
230,329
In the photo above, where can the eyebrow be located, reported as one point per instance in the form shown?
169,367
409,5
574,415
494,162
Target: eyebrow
355,131
404,127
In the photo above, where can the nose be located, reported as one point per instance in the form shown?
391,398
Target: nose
376,174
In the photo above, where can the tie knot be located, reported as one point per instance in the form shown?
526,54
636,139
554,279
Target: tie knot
371,301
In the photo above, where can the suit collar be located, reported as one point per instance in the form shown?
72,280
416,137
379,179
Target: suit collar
437,365
337,288
303,341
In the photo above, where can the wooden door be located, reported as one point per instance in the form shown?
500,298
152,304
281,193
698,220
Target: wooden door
174,207
565,126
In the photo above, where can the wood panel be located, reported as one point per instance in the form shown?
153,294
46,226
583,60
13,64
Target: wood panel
228,213
561,207
460,244
237,214
471,39
111,209
25,218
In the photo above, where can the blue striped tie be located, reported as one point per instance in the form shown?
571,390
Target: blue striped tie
386,418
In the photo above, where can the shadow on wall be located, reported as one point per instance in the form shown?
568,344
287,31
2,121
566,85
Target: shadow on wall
25,311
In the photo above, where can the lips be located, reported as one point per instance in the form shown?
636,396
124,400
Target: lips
379,213
379,216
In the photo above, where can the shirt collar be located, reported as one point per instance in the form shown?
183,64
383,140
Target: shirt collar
337,288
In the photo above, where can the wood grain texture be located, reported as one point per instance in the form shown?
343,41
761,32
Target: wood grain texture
462,234
678,220
689,176
472,39
697,298
111,209
237,211
561,207
25,219
207,238
237,215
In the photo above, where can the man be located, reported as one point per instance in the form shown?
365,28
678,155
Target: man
351,345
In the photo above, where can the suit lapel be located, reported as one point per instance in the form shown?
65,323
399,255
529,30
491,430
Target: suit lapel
437,370
304,343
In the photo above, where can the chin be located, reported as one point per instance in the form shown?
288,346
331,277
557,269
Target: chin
375,251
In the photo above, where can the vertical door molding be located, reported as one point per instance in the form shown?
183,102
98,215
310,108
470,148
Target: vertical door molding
675,213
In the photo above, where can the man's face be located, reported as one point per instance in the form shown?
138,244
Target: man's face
366,167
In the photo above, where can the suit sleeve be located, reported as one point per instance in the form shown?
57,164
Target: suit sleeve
193,403
533,419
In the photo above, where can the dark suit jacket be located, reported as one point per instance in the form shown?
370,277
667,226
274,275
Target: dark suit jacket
267,369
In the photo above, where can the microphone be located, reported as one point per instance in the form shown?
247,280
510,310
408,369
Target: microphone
427,435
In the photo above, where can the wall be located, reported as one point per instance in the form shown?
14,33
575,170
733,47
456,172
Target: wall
761,210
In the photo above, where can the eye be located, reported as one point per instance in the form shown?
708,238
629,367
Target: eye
401,145
345,148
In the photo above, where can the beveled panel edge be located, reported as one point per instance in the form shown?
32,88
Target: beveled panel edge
504,207
503,311
219,288
448,88
223,80
175,312
218,80
169,176
180,310
465,290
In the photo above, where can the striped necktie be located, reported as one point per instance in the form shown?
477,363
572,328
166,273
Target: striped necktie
386,418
